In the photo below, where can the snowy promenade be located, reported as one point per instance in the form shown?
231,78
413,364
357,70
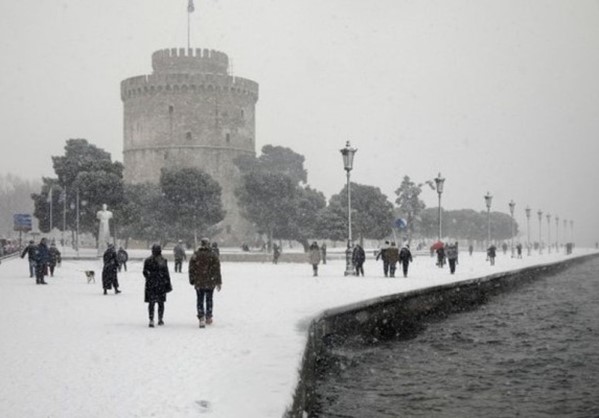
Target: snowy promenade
69,351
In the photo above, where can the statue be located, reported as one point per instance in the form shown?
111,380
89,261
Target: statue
104,217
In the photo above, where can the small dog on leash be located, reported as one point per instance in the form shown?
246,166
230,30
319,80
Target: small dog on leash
91,276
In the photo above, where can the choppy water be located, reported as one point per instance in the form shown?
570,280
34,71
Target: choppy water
532,352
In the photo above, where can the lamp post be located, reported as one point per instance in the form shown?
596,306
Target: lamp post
540,213
527,210
556,234
439,181
565,229
76,206
548,233
571,231
348,162
488,199
512,206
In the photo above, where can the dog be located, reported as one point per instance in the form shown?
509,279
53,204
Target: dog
91,276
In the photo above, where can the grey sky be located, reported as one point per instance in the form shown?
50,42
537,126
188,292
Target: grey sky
496,95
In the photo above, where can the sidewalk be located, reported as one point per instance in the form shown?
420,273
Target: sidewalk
69,351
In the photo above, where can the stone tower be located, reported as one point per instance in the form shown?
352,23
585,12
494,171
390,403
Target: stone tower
190,113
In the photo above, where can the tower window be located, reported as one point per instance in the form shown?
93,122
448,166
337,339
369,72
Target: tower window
188,136
171,109
242,113
228,137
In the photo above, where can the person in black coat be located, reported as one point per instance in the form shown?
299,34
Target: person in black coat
358,258
122,256
158,283
405,258
30,251
491,253
109,272
42,258
55,258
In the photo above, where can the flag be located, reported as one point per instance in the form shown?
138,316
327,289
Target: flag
190,7
50,195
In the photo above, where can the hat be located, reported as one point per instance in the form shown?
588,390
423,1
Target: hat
204,242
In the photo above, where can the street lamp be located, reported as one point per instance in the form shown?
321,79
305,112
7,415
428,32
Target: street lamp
512,206
548,233
76,206
488,199
439,183
348,163
572,231
565,229
540,213
527,210
556,234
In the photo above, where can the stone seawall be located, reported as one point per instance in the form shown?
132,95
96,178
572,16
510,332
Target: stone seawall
400,315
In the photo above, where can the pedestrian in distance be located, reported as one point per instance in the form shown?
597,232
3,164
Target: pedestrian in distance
314,257
30,251
122,257
470,249
382,254
179,255
323,250
491,253
42,258
110,269
393,258
215,248
504,248
405,258
276,253
358,259
441,256
452,257
205,276
519,250
158,284
55,258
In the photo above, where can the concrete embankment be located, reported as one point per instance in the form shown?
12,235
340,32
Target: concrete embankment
400,315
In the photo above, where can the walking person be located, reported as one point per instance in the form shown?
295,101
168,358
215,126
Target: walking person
405,258
205,276
470,249
122,257
158,284
519,250
452,257
276,253
441,256
491,253
215,249
30,251
55,258
314,256
382,254
42,258
358,258
393,258
323,250
109,271
179,255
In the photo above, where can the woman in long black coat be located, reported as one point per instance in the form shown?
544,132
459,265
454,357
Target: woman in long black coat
109,272
158,283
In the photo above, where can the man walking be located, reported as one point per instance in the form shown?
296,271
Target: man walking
30,251
179,253
204,276
42,258
452,256
405,258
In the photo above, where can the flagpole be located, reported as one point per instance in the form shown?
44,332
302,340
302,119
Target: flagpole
188,29
51,211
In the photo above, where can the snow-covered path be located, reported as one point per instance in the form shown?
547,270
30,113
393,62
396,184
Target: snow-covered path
69,351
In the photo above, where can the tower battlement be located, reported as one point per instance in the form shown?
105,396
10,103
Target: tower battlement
190,61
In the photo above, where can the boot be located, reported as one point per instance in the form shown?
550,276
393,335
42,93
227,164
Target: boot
160,321
116,291
202,321
105,292
151,324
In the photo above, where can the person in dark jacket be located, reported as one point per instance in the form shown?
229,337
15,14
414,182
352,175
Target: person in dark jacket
30,251
276,253
392,258
323,250
55,258
405,258
179,254
109,272
158,283
441,256
452,257
382,254
314,257
42,258
215,248
205,276
358,258
491,253
122,256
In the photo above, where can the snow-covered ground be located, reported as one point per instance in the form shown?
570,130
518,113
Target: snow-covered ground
67,350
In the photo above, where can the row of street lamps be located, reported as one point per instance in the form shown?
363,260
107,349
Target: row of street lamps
348,161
